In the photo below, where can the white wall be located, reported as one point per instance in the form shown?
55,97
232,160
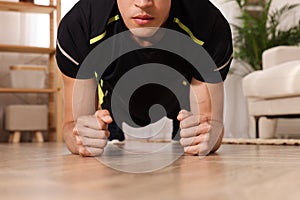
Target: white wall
293,16
66,6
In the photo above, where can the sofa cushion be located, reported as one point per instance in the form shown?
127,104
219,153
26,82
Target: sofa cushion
280,54
278,81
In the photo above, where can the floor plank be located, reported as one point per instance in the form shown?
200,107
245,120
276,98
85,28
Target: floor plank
49,171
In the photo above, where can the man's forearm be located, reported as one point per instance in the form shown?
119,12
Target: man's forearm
207,100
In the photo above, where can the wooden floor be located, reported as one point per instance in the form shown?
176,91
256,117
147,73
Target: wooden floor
48,171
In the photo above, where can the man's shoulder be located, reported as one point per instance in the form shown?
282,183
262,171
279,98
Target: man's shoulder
96,8
96,3
92,14
200,16
197,8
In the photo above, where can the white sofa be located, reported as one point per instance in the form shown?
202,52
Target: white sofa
274,91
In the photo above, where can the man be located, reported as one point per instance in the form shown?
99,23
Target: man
92,22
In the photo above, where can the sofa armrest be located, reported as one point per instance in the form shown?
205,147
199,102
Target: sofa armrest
280,54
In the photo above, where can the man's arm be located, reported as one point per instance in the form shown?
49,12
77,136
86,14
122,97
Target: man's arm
77,102
84,129
209,102
202,128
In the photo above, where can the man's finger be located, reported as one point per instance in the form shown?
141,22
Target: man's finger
83,151
183,114
104,116
199,149
195,130
91,133
96,143
90,151
191,141
88,121
193,120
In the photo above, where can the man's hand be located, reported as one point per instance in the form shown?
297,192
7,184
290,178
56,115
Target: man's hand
194,133
91,133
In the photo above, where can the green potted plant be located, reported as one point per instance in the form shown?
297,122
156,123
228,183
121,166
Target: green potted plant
259,30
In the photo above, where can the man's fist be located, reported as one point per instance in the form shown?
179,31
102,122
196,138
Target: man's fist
194,133
91,133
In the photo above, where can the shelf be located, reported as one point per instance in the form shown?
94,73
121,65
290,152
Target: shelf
26,7
54,93
26,49
27,90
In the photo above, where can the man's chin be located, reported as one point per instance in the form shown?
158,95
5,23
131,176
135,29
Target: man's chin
145,32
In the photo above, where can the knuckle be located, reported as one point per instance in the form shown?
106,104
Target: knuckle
107,133
181,141
209,127
97,112
203,128
75,131
102,143
101,124
186,149
196,120
192,141
100,113
183,124
82,151
196,130
203,147
78,140
200,129
189,150
97,152
182,133
103,134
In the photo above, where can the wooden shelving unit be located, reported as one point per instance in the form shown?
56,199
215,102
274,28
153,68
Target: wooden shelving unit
26,7
26,49
27,90
54,84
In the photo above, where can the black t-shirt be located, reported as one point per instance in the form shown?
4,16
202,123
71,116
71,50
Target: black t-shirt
92,22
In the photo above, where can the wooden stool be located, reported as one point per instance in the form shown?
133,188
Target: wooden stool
15,137
31,118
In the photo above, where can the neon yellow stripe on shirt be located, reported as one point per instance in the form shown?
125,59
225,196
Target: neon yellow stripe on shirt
186,29
100,92
98,38
101,36
112,19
